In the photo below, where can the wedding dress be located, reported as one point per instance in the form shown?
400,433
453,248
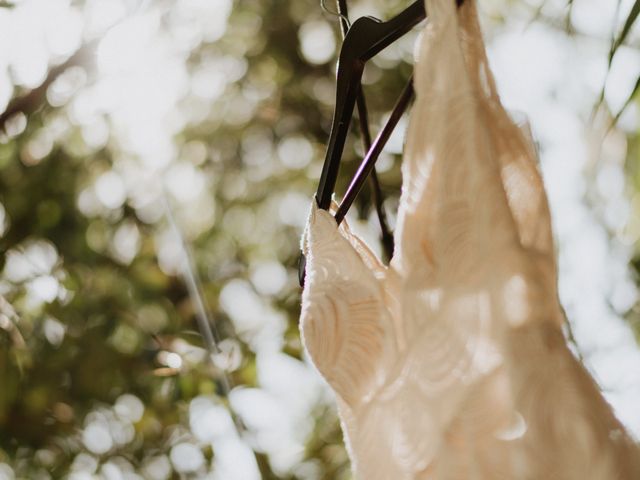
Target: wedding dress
451,363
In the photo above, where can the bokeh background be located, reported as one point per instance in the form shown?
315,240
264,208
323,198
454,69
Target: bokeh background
157,163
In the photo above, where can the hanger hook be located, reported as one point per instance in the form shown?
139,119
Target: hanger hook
335,14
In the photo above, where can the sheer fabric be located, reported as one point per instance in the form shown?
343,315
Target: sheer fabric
450,363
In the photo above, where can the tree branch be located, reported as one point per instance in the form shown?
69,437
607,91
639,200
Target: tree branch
32,100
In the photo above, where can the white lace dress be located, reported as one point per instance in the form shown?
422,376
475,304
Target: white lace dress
451,362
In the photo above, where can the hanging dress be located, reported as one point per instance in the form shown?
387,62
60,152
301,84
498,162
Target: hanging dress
451,363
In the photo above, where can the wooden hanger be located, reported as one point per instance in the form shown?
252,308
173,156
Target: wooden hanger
366,37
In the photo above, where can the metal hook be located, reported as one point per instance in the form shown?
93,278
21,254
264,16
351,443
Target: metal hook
335,14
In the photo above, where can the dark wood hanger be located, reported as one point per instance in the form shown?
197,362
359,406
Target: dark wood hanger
377,198
366,167
366,38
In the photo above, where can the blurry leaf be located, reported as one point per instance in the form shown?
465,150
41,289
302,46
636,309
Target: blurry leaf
165,372
149,275
633,14
125,339
206,387
35,400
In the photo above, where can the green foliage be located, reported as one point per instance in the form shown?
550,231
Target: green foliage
99,325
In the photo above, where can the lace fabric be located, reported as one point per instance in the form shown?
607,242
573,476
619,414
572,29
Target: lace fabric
450,363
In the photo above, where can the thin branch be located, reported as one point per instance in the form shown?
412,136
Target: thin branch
34,99
633,15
